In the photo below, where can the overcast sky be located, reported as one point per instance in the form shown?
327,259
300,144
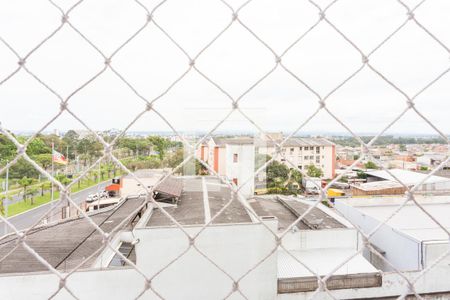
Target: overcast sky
151,62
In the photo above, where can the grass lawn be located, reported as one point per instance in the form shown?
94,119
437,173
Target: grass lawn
23,206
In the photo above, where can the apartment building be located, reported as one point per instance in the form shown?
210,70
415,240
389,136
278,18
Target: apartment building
303,152
232,158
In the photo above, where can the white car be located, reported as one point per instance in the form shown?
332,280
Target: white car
92,197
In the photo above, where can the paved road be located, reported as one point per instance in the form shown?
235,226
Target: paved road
29,218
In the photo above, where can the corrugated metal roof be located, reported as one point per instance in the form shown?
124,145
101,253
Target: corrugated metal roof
64,245
405,176
170,186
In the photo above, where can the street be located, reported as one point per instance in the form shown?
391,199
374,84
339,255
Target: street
29,218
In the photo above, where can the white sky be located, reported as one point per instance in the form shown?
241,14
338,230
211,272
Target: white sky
151,62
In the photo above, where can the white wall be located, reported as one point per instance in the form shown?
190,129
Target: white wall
402,251
319,239
432,251
235,248
243,169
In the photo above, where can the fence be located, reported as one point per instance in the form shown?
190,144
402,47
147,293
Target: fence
148,15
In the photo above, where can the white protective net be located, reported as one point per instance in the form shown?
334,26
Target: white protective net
147,14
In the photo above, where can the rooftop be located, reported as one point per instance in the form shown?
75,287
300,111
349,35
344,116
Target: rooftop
302,142
287,211
378,185
66,244
423,228
201,199
245,140
405,176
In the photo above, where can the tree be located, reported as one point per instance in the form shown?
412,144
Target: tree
25,182
161,145
7,149
44,186
361,175
63,179
21,169
296,176
2,205
314,171
277,174
176,158
31,192
261,159
37,146
44,160
370,165
71,140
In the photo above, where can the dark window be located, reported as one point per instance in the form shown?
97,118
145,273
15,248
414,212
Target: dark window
235,157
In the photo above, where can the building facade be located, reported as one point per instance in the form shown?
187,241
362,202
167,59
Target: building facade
233,159
303,152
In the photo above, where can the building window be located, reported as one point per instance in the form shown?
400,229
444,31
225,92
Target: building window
235,157
306,157
300,167
318,150
311,157
301,148
317,159
292,151
306,148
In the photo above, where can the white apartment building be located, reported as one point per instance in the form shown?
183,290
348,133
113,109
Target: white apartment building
303,152
232,158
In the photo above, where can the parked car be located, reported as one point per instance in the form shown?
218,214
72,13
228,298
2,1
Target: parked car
92,197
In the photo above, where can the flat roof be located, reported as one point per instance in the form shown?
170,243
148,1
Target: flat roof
410,220
243,140
405,176
300,142
66,244
288,210
202,198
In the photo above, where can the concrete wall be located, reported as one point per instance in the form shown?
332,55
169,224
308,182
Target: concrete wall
235,248
432,251
320,239
401,251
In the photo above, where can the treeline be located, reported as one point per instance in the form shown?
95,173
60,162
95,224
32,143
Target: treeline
82,151
386,140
